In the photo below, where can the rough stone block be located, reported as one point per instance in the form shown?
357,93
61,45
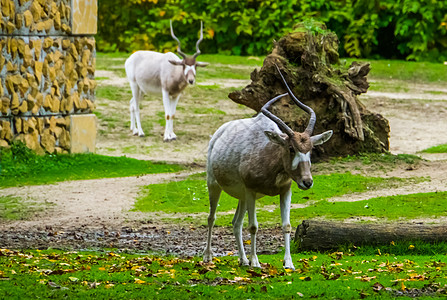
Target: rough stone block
84,16
83,133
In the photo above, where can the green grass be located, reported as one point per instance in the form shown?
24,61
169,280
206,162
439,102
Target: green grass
374,158
436,149
223,66
20,166
406,70
55,274
252,61
406,207
15,208
114,93
191,196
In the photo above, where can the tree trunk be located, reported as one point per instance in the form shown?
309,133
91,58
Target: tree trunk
325,235
308,57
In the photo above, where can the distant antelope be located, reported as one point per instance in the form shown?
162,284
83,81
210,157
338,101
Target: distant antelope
251,158
149,71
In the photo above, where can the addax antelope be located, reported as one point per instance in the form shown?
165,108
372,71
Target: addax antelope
149,71
251,158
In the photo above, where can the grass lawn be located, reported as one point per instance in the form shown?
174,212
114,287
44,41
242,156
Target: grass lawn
436,149
371,273
226,66
20,166
190,197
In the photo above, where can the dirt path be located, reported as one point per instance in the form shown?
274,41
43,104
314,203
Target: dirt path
99,203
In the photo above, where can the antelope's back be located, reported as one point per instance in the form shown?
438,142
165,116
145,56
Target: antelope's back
232,143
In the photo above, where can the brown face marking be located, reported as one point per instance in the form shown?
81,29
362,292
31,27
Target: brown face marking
189,61
301,142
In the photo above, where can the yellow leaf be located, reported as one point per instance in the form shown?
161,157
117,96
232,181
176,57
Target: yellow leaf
101,269
241,279
247,242
162,13
73,279
288,270
211,32
230,253
110,285
139,281
411,247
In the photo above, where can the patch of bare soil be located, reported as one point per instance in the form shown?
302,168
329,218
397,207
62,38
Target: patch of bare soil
97,213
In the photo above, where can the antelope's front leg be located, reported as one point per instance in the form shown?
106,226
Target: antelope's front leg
285,200
169,117
173,108
250,198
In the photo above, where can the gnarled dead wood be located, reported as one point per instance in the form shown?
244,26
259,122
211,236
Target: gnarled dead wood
309,60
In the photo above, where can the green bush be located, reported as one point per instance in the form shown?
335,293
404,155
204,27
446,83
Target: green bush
410,29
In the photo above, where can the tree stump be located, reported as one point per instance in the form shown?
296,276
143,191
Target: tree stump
309,60
326,235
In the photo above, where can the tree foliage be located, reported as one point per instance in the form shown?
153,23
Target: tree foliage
410,29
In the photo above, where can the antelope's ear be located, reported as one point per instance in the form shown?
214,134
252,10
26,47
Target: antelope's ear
201,64
274,137
176,62
321,138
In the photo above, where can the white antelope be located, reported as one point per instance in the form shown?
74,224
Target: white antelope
251,158
149,71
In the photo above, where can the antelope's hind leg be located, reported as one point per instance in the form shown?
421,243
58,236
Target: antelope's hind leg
238,221
250,198
214,194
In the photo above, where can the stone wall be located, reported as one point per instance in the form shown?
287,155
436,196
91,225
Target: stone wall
47,66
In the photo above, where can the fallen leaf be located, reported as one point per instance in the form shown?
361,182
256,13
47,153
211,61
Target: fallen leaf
377,287
139,281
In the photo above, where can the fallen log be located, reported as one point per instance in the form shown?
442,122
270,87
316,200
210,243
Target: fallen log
327,235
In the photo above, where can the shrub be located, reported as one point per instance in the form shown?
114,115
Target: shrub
410,29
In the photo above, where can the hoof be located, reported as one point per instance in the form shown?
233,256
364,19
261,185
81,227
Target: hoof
169,140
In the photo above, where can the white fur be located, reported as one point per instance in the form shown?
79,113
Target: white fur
149,71
233,158
190,68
